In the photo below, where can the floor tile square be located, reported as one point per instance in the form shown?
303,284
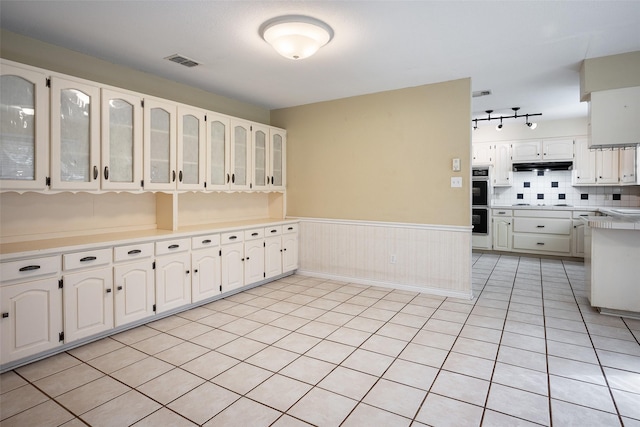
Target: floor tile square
20,399
317,329
245,412
142,371
385,395
217,320
63,381
323,408
368,362
214,338
46,414
581,393
182,353
279,392
469,365
37,370
241,326
576,370
121,411
241,348
347,382
564,414
519,403
196,313
117,359
461,387
264,316
272,358
156,343
522,358
331,352
91,395
242,377
348,336
425,355
168,323
210,364
10,381
384,345
136,334
363,416
437,411
308,369
521,378
189,331
164,416
171,385
290,323
203,402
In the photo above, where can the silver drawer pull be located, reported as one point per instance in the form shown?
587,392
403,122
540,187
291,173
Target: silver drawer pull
30,268
88,258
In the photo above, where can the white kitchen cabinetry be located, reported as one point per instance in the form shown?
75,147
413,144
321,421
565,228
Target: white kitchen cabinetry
218,152
482,154
240,155
502,174
254,256
607,166
542,231
273,251
502,239
584,165
75,135
191,148
260,157
134,283
206,265
88,294
121,141
614,117
31,307
159,144
628,172
24,128
526,151
577,236
173,274
557,149
232,248
277,159
289,247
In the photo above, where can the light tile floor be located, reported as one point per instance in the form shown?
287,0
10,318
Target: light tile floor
528,350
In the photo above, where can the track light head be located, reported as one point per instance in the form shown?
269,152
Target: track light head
499,127
532,125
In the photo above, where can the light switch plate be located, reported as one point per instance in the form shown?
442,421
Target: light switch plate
455,165
456,182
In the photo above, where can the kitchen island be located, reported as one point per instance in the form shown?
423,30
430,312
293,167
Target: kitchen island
612,261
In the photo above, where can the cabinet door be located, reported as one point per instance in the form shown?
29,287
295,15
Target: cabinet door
191,149
134,292
232,266
173,282
253,261
277,159
121,141
240,155
526,151
607,166
628,167
206,278
219,152
289,252
259,157
88,303
557,149
482,154
502,234
584,165
578,238
502,170
24,129
159,145
273,255
75,135
31,318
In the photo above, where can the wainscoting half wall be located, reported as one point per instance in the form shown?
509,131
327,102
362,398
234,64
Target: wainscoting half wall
415,257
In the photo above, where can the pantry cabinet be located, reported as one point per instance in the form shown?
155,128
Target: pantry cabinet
75,135
277,159
240,155
24,128
191,148
160,146
259,158
218,152
121,141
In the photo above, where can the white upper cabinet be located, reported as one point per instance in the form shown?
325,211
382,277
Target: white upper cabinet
75,135
260,157
159,145
218,152
526,151
191,148
121,141
584,166
277,159
628,167
557,149
482,153
502,171
24,128
240,155
607,166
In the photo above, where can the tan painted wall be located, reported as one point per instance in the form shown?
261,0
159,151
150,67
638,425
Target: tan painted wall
43,55
609,72
381,157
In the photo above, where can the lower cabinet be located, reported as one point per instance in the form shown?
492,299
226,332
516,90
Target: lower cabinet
134,294
31,318
253,261
502,240
206,276
542,231
290,247
273,256
232,266
88,303
173,281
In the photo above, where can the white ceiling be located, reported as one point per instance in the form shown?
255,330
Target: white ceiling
528,53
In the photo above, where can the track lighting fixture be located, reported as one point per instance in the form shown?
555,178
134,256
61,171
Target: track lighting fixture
515,115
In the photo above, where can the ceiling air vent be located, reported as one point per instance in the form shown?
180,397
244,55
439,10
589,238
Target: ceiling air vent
182,60
480,93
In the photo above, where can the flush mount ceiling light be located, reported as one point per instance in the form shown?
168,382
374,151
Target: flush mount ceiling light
295,36
514,116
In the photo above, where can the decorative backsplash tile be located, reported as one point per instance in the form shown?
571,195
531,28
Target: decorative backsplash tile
556,188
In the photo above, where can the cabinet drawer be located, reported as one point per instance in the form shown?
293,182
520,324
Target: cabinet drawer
542,225
132,252
232,237
501,212
254,233
543,243
86,259
290,228
25,269
273,231
539,213
578,214
172,246
207,241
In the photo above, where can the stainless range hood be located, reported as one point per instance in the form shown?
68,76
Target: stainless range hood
542,166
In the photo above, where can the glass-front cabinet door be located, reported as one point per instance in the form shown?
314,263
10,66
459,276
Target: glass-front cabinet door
75,135
121,141
191,148
159,145
277,159
218,152
24,128
240,155
259,157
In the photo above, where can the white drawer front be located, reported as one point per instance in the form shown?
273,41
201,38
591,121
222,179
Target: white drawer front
254,233
539,213
273,231
290,228
541,243
25,269
232,237
86,259
542,225
132,252
210,240
501,212
172,246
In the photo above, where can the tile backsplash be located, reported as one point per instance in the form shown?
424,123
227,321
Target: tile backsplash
554,187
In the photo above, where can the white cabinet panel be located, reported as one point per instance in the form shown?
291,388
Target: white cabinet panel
207,275
628,171
160,146
482,154
502,240
607,166
259,157
191,148
253,261
134,292
526,151
232,266
277,159
173,282
557,149
218,152
240,155
273,256
290,248
502,171
584,165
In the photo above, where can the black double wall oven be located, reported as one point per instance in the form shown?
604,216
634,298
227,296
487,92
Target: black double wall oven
480,196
